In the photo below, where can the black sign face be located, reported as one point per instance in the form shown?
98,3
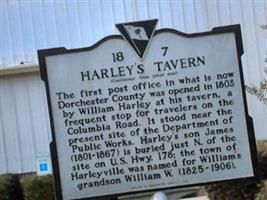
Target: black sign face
168,110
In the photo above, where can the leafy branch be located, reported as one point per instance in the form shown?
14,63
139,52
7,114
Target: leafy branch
259,92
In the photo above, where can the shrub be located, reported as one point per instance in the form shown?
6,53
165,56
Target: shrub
243,190
37,187
262,195
233,190
10,188
262,158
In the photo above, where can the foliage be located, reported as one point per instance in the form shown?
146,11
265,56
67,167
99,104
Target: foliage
37,187
259,91
262,195
262,158
233,190
247,189
10,188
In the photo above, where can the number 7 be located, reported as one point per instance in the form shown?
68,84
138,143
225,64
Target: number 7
165,49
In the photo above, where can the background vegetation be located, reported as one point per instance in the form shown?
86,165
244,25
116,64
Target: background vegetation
33,187
255,189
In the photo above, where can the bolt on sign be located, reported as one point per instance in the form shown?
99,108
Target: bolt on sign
148,110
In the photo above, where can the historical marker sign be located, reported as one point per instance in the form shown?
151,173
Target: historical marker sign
168,110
